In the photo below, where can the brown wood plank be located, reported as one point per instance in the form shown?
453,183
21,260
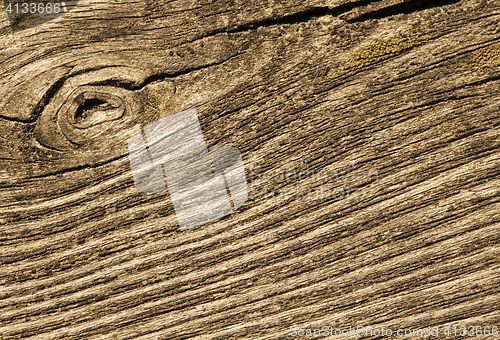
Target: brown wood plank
393,106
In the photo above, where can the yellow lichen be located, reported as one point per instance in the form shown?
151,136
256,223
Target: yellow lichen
483,57
155,104
220,103
375,52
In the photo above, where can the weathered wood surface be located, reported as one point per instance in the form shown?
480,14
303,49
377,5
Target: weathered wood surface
404,92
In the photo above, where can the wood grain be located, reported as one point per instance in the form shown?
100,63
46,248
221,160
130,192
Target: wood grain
393,106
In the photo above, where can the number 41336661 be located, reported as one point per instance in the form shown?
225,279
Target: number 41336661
471,331
34,8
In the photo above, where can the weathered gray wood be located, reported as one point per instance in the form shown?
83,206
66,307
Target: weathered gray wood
397,103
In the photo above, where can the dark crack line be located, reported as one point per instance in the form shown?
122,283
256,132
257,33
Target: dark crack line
160,76
290,19
406,7
80,167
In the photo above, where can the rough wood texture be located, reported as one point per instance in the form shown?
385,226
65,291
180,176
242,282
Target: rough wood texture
396,101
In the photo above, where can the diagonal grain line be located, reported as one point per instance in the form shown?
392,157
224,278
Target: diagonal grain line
467,237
